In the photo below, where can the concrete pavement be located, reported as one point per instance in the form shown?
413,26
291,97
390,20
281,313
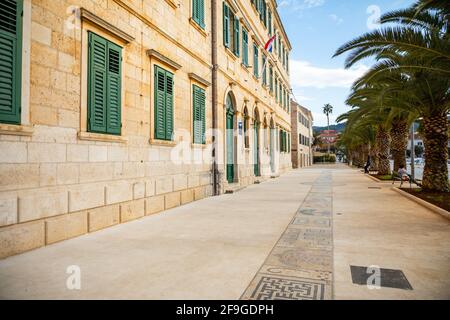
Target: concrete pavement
217,247
373,225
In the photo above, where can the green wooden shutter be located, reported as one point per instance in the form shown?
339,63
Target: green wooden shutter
195,10
160,97
264,73
244,47
226,25
269,22
97,86
289,142
236,36
10,60
271,78
255,61
169,105
201,13
199,125
196,116
203,115
114,87
198,12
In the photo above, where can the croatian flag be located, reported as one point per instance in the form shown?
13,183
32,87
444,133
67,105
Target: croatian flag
269,44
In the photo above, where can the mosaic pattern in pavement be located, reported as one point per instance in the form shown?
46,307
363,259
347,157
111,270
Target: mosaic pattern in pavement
301,263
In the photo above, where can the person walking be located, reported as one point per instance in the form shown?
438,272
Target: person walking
367,166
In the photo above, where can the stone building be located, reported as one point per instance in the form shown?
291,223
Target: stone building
253,92
302,136
111,110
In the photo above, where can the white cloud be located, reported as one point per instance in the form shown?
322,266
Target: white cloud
297,5
336,19
313,3
303,74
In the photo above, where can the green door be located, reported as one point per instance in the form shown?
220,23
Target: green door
229,141
256,149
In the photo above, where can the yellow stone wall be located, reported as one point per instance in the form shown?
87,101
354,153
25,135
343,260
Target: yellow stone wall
57,180
250,93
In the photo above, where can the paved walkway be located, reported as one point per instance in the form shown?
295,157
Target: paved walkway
290,238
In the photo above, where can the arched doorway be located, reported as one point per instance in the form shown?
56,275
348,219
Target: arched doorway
230,138
256,155
272,145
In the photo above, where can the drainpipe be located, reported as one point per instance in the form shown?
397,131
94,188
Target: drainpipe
215,171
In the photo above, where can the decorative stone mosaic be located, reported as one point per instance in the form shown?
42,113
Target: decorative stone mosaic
300,265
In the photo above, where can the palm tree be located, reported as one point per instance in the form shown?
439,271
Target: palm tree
417,49
327,110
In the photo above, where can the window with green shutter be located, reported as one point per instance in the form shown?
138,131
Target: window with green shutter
279,93
289,142
104,86
236,32
231,30
269,22
271,78
198,12
276,89
199,125
10,60
255,60
264,71
245,47
264,13
226,25
164,94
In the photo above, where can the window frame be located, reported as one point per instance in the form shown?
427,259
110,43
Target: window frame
245,42
90,98
199,16
195,140
255,60
155,97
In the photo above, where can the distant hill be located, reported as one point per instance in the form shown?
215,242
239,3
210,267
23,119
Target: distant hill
338,127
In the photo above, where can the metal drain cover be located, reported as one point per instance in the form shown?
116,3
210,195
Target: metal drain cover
389,278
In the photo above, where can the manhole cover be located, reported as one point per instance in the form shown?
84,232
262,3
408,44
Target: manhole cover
389,278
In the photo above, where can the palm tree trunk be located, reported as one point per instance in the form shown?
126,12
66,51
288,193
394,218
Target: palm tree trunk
373,158
399,135
383,142
435,174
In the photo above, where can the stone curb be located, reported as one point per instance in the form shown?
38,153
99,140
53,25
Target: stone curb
432,207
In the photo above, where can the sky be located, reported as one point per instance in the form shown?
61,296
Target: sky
316,29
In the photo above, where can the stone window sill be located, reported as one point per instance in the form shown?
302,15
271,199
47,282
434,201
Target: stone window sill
91,136
246,68
231,53
164,143
16,130
197,27
199,145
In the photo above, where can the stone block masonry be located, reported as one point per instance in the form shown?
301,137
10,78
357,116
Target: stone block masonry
58,224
